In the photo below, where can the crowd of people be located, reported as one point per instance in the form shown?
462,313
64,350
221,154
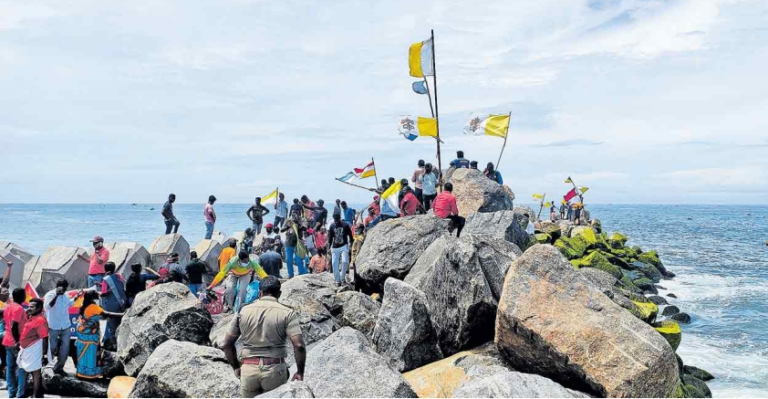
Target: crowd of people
299,235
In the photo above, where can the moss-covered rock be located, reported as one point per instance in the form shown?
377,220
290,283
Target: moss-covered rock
598,261
645,284
637,249
618,240
543,238
552,230
652,258
587,233
695,388
670,330
615,260
650,271
571,248
597,225
627,283
646,311
696,372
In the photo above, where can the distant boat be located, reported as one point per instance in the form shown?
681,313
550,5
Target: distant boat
151,209
134,204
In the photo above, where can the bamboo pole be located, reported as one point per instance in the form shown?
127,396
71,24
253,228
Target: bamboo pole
505,142
437,113
355,185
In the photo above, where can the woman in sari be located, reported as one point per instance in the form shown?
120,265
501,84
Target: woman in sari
88,342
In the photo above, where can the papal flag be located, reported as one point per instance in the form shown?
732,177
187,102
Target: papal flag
583,189
538,197
489,125
568,180
270,198
411,127
420,59
388,201
547,204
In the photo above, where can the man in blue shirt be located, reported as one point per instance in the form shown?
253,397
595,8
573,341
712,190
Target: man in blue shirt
460,161
281,211
348,213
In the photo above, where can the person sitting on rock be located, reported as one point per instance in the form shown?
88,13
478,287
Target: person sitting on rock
460,161
264,327
446,208
319,263
409,204
473,165
493,174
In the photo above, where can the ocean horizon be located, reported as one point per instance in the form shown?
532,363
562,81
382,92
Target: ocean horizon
718,252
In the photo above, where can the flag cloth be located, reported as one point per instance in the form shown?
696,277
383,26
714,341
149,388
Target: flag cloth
348,178
489,125
570,194
270,198
367,171
583,189
563,201
420,59
411,127
31,293
547,204
568,180
538,197
419,87
388,202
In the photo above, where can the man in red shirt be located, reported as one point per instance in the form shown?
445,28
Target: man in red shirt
410,203
34,345
98,259
15,318
370,217
445,207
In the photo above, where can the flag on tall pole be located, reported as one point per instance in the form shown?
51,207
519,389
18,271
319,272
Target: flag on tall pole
365,172
411,127
388,200
488,125
570,194
420,57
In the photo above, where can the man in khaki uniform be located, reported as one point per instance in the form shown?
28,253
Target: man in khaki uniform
263,328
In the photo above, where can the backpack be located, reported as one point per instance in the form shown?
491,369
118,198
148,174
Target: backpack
252,292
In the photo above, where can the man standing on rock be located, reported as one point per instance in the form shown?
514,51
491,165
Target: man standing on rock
446,208
340,237
210,217
99,258
428,181
56,304
415,179
281,211
256,213
263,327
171,223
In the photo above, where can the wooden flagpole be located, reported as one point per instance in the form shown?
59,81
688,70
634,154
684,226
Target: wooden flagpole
505,141
375,175
541,206
355,185
429,96
437,114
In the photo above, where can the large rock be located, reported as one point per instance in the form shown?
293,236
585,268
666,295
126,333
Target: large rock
404,333
55,384
358,311
391,249
208,251
553,322
58,262
120,387
220,237
16,250
292,389
165,245
186,370
124,254
511,384
316,321
164,312
17,271
476,193
508,225
321,287
220,329
345,365
441,378
460,299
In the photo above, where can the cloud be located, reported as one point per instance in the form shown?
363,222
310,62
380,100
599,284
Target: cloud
569,143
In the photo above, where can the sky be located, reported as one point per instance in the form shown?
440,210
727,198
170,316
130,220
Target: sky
644,101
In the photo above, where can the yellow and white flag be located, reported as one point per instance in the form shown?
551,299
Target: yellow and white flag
538,197
411,127
420,59
547,204
270,198
488,125
583,189
388,201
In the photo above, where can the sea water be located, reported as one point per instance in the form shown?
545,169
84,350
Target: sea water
718,253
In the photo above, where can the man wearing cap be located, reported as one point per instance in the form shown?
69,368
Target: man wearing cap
264,327
99,258
210,217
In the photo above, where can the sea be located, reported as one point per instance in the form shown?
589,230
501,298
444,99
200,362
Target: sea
718,252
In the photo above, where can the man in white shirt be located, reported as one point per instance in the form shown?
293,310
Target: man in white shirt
56,304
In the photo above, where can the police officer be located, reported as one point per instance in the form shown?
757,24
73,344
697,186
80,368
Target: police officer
263,327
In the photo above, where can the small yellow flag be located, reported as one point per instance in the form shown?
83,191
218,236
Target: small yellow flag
583,189
538,196
568,180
